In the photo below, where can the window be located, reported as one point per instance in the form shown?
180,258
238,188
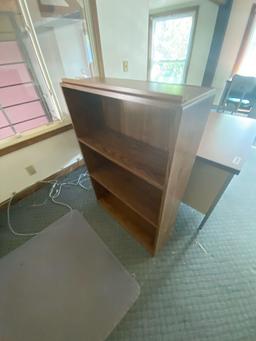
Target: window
41,42
21,105
245,64
170,45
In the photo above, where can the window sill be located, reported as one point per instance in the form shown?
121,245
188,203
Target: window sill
33,136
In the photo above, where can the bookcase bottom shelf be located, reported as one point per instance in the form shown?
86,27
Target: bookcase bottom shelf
141,197
140,229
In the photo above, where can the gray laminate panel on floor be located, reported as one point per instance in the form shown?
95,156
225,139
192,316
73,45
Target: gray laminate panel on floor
200,287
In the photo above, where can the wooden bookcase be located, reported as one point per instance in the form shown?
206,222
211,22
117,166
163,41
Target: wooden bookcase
139,141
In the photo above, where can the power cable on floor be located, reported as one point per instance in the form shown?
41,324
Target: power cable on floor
54,193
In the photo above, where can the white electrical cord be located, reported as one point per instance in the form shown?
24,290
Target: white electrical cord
9,221
54,193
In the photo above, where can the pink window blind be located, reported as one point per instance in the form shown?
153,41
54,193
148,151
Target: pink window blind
21,107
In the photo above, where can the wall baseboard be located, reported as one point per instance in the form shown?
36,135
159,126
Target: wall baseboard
36,186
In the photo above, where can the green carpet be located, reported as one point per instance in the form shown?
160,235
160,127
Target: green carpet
200,287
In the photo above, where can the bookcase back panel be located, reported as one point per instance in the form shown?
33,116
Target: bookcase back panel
130,220
142,197
142,122
85,109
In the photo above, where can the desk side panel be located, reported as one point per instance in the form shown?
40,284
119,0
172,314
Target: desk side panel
205,183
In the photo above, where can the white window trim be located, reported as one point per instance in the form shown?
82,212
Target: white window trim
29,27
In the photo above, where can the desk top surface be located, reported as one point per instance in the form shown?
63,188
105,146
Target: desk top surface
227,140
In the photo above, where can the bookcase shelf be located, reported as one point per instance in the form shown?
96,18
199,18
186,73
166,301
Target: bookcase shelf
139,196
144,161
139,141
133,223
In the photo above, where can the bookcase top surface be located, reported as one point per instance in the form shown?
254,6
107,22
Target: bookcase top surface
180,93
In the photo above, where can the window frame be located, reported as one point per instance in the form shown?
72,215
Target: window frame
169,13
30,70
63,122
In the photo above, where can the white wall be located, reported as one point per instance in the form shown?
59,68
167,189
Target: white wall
203,38
203,35
237,23
48,157
124,36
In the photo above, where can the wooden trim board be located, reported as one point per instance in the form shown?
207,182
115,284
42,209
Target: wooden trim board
220,28
96,36
31,140
140,91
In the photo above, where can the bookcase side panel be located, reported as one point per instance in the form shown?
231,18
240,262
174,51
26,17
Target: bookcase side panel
192,124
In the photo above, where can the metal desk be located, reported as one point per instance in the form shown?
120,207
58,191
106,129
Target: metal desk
225,144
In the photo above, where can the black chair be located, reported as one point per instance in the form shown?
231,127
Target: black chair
239,95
